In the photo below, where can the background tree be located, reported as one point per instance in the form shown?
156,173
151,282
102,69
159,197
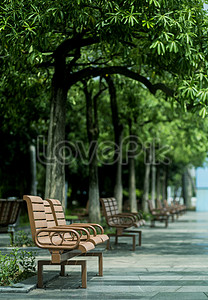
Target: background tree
149,36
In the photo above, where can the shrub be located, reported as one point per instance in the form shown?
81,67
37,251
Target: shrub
16,266
22,239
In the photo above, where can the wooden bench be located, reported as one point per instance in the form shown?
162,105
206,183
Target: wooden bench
97,235
181,208
60,220
9,213
62,243
124,223
158,215
166,208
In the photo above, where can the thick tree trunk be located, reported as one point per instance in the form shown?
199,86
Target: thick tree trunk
93,133
33,186
55,168
146,182
118,136
153,194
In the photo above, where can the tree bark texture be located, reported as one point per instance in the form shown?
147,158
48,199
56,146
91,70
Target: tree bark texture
93,133
118,136
55,166
132,177
187,188
146,182
132,185
153,193
158,179
33,186
164,185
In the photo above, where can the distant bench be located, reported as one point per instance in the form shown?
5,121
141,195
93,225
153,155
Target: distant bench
9,212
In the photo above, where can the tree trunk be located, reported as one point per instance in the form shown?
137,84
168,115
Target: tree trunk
164,185
55,167
146,182
93,133
153,194
158,179
118,136
33,187
94,205
118,189
132,178
132,185
187,188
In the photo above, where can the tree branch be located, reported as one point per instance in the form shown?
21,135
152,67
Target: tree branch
94,72
74,43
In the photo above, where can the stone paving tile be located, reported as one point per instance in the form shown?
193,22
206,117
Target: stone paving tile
178,296
160,277
73,294
171,264
191,288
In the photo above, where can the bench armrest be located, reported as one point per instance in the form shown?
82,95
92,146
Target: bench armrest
122,217
92,226
80,229
60,232
84,225
129,214
157,212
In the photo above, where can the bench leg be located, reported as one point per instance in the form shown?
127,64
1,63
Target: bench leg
140,238
108,241
152,223
127,235
134,242
83,265
40,273
116,239
108,244
139,233
12,237
84,274
100,260
62,273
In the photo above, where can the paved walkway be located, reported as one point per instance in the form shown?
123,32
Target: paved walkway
171,264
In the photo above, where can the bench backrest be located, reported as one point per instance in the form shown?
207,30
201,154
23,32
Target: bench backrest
150,205
37,215
159,204
49,215
9,211
166,203
58,212
110,208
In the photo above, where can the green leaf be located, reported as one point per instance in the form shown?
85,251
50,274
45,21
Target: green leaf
203,112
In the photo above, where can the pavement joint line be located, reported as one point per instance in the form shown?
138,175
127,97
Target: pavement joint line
166,256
